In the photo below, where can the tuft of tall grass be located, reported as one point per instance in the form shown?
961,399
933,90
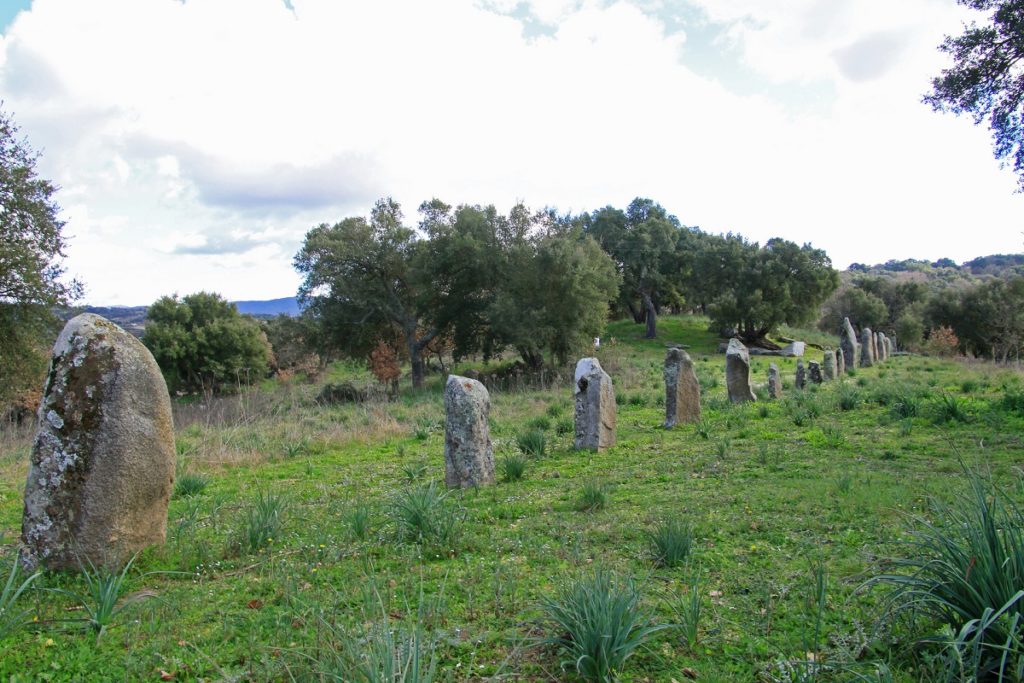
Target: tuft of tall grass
190,484
848,398
10,618
967,572
671,542
261,524
513,467
687,610
541,423
599,623
532,443
103,600
949,408
593,496
359,522
565,426
423,515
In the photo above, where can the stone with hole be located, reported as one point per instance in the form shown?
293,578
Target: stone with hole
468,454
595,406
102,465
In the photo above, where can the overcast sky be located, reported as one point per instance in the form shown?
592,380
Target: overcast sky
196,142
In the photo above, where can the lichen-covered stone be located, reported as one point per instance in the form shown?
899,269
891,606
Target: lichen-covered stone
102,464
848,343
737,372
468,454
774,382
876,340
828,366
840,362
682,391
867,348
801,375
883,347
595,406
814,371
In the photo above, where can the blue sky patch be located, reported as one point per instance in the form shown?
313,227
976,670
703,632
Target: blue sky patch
9,9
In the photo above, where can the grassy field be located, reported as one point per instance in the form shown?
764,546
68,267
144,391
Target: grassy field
294,551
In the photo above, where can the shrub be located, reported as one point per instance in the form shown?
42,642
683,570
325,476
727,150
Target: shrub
942,342
848,398
513,467
967,572
190,484
599,623
671,542
532,443
1012,402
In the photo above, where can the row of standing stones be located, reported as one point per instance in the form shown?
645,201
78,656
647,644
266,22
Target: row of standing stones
102,467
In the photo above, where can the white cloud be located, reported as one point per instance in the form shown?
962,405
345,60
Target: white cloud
196,142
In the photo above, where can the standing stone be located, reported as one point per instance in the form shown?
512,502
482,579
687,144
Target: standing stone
737,372
829,365
102,466
595,406
468,455
874,347
801,375
888,348
814,371
848,343
682,391
840,362
774,382
867,349
883,346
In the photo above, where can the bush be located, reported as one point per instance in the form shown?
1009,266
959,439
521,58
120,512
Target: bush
848,398
599,623
671,542
967,572
942,342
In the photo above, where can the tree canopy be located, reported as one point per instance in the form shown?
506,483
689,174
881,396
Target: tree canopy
202,343
32,247
987,77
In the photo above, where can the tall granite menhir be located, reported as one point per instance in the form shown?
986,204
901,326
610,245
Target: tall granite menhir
682,391
867,348
848,343
468,454
595,406
737,372
774,381
102,465
828,366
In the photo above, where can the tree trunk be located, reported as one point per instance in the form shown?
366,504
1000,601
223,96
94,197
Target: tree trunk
415,360
637,313
652,316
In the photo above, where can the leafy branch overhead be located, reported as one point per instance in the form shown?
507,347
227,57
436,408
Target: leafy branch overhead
987,77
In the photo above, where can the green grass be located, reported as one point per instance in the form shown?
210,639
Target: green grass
470,596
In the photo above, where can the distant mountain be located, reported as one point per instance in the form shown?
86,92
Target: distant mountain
288,305
133,318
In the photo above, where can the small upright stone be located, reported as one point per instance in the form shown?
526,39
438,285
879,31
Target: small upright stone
883,346
737,372
876,341
801,375
814,371
829,365
888,348
102,465
840,362
867,349
468,454
682,391
848,343
595,406
774,382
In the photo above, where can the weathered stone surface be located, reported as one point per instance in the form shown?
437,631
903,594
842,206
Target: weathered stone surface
801,375
848,343
102,465
828,366
595,406
867,348
682,391
774,382
737,372
468,454
888,348
883,346
793,349
875,339
840,362
814,371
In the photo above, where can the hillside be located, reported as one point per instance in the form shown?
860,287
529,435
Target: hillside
303,536
133,318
